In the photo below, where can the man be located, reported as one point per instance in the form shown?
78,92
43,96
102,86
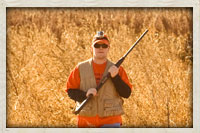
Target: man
105,107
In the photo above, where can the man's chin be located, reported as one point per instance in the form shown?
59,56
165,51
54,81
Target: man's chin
100,57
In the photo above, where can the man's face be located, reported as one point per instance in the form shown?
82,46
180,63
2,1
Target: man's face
101,51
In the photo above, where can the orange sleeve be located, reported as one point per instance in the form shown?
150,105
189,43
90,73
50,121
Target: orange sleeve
73,81
124,76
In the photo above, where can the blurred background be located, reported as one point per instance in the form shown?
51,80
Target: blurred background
45,44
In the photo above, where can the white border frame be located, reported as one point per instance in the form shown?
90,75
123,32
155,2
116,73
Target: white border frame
103,3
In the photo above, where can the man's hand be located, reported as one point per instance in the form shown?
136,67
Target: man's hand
113,71
92,91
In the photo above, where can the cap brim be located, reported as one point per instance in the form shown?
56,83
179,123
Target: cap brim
103,41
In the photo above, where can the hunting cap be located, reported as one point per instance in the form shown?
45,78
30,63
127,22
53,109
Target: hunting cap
101,38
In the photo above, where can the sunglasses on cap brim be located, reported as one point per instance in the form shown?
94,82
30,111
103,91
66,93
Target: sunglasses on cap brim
100,45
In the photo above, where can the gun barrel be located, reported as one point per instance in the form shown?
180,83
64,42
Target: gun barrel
136,43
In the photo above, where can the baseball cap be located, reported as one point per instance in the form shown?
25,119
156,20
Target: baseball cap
100,38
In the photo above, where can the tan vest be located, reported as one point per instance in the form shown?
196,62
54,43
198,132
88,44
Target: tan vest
108,102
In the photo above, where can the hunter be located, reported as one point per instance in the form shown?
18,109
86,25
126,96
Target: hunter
106,107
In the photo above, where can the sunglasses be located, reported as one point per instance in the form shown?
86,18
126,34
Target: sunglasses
100,45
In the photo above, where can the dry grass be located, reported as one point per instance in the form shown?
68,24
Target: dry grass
44,45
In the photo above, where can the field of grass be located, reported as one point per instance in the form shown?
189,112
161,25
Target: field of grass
45,44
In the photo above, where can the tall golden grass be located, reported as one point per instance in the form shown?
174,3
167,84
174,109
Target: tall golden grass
45,44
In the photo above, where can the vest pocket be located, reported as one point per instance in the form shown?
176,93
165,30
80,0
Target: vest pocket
112,107
86,109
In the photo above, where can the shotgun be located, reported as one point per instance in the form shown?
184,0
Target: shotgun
104,79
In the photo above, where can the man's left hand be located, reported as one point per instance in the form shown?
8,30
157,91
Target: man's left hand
113,71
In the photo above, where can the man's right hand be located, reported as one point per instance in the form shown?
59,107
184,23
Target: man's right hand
92,91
